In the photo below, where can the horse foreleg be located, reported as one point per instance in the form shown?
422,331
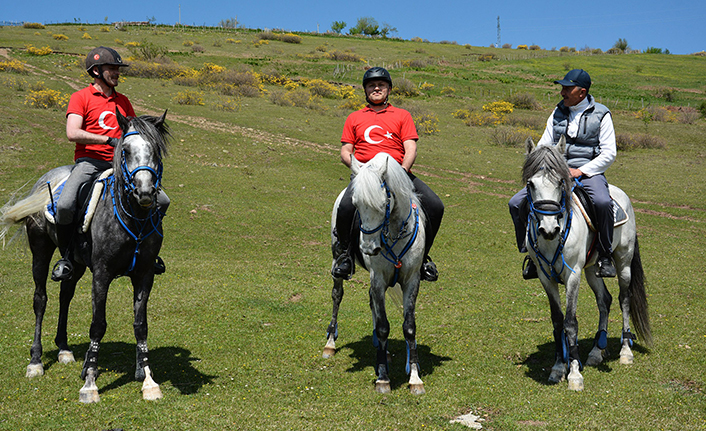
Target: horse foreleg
89,373
381,334
574,378
332,331
142,287
409,327
603,301
558,372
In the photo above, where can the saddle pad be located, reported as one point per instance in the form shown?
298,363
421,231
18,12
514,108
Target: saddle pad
93,200
620,217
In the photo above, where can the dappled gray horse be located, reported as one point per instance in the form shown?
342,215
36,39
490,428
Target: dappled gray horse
124,238
392,249
560,242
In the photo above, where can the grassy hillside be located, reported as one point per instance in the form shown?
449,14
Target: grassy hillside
237,323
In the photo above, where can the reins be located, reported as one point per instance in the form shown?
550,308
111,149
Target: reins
550,208
384,229
154,217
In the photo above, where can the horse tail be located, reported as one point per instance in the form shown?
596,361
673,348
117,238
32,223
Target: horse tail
13,213
638,298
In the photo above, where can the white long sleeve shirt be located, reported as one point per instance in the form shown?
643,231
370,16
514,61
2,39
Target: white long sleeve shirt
606,138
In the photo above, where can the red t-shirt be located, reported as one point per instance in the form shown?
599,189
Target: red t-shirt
98,112
373,132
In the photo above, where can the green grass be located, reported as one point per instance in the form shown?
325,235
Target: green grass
237,323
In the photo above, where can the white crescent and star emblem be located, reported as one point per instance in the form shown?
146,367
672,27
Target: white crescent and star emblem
368,139
101,120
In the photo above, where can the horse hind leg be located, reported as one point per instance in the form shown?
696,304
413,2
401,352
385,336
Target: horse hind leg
332,331
67,290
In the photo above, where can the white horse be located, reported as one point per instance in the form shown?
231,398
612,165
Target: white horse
392,249
560,242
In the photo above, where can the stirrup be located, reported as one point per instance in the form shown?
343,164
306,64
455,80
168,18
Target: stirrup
343,268
159,266
529,269
63,270
605,267
428,270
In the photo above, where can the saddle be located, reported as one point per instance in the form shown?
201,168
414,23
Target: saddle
87,200
585,206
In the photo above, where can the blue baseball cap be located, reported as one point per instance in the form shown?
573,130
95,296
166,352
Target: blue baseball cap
576,78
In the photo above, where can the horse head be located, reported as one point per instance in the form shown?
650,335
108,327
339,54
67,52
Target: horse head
548,186
138,157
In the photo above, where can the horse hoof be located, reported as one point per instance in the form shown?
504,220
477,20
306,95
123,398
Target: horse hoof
626,356
595,358
151,394
576,384
417,389
66,357
328,352
88,396
34,370
382,387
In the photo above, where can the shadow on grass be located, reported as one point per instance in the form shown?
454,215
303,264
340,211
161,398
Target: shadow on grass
539,364
364,354
168,364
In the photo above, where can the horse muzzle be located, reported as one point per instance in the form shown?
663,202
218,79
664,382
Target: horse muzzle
549,231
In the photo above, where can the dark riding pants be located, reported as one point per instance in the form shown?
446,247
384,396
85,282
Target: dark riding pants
431,204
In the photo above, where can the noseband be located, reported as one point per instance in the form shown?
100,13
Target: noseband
390,243
548,207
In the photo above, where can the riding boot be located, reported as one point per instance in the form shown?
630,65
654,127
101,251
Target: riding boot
428,271
343,267
605,267
529,269
159,266
63,269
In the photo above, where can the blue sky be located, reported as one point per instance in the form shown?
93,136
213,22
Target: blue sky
679,26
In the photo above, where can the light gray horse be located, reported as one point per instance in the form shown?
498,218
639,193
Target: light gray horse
392,249
559,241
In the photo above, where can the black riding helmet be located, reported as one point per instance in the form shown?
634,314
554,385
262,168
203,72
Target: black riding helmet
376,73
101,56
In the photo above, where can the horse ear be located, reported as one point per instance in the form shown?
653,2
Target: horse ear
123,122
561,145
161,119
355,165
529,145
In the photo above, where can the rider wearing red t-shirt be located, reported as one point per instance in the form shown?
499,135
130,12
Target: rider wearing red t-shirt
377,128
91,124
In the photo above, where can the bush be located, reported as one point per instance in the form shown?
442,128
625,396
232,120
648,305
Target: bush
534,48
564,49
344,56
189,98
86,36
45,99
34,25
228,104
479,119
352,104
461,114
633,141
448,91
427,122
197,48
146,51
507,45
162,68
523,101
290,38
507,136
187,43
487,57
521,46
60,37
702,109
13,66
39,51
405,87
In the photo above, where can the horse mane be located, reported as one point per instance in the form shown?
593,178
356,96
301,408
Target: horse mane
550,159
152,130
368,182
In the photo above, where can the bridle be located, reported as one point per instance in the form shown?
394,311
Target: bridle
548,207
143,227
390,242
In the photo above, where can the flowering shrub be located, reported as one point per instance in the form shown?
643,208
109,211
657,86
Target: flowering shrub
13,66
188,98
521,46
448,91
132,45
427,123
60,36
45,99
34,25
39,51
105,29
231,40
481,119
461,114
352,104
499,110
188,43
86,36
426,86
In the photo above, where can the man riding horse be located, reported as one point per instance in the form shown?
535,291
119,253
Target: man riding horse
590,151
91,124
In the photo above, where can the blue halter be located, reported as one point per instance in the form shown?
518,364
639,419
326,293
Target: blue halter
384,229
154,217
551,208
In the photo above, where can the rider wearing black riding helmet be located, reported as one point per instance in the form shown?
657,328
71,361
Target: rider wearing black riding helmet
381,127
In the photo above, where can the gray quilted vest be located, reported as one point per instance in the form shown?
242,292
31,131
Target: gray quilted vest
585,146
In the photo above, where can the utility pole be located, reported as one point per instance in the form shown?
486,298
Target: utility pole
498,45
180,14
